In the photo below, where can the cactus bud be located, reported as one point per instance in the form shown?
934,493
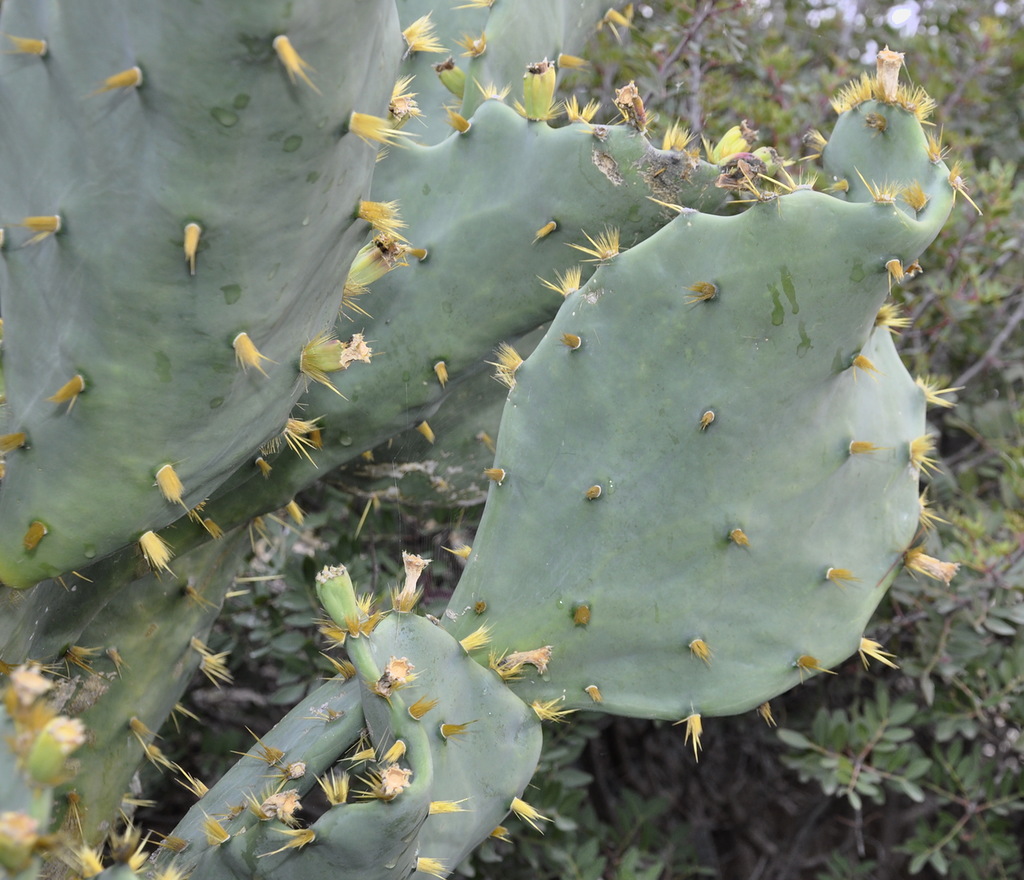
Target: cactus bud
452,77
19,833
539,91
58,739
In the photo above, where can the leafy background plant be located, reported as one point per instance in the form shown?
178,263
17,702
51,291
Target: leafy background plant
875,773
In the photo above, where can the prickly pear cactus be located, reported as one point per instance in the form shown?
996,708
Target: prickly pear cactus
180,192
35,745
707,473
410,795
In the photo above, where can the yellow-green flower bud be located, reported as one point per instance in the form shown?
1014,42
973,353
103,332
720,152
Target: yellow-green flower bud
19,833
452,77
336,594
58,739
539,90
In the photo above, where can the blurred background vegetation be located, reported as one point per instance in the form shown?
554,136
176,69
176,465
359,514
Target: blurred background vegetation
872,773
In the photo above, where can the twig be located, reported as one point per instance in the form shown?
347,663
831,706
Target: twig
987,359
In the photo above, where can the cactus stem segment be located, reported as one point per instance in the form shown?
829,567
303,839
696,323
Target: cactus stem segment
293,63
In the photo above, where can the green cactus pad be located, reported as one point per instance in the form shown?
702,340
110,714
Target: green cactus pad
218,128
726,366
510,177
145,649
383,837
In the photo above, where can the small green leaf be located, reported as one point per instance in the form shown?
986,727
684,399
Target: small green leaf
793,739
